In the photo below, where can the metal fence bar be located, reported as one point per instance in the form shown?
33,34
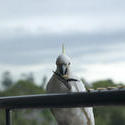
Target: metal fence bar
63,100
67,100
8,117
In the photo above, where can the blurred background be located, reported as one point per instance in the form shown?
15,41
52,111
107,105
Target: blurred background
31,36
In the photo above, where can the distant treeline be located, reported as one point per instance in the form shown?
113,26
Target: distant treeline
26,85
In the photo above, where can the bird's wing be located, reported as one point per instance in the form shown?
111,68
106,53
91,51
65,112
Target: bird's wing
87,111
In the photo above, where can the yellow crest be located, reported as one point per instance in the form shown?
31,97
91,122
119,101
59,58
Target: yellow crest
63,49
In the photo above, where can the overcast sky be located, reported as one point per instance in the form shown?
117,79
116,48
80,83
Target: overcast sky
32,32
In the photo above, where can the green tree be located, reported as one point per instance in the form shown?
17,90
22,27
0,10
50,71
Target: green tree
30,77
44,81
110,115
26,116
7,81
103,83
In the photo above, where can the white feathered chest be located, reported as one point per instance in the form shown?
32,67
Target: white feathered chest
69,116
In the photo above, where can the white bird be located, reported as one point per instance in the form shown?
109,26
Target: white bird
57,84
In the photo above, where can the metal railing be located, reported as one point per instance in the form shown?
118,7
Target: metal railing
63,100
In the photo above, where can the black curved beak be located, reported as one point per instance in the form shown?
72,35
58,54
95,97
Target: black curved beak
63,70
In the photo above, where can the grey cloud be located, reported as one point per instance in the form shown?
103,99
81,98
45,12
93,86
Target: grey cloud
24,48
104,42
17,9
42,48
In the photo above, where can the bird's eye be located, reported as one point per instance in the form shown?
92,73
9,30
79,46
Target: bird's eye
69,63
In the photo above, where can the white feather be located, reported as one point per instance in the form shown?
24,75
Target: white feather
69,116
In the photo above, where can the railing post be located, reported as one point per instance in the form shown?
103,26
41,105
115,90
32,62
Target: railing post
8,117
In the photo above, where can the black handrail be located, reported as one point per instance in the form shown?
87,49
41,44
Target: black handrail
75,99
64,100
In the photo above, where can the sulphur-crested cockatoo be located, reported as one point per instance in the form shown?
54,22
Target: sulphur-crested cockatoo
68,116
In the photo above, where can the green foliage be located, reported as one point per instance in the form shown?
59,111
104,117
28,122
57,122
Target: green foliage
23,87
7,80
44,81
108,115
103,83
103,115
26,116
